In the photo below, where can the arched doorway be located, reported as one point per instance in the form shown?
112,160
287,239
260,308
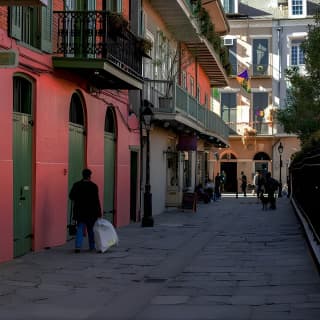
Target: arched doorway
228,164
109,164
22,164
77,142
261,162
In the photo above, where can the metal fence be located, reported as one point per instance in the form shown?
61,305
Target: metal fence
305,188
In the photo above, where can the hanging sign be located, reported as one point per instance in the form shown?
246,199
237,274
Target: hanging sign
187,143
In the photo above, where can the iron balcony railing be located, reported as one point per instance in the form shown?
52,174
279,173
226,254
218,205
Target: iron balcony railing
98,35
253,128
169,97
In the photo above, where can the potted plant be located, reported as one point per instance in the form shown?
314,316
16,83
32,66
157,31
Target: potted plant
144,46
117,24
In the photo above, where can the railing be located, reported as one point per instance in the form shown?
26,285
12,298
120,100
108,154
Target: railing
167,96
305,183
259,128
96,35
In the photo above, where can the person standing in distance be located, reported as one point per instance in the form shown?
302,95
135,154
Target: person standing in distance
86,208
244,183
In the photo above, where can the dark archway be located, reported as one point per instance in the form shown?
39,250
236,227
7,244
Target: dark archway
261,156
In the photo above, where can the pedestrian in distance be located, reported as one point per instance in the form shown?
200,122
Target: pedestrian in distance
217,186
255,183
86,208
271,186
261,185
244,184
223,181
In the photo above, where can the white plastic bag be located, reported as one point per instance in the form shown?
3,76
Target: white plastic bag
105,235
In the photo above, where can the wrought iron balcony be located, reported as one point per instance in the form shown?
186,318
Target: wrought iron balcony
98,46
175,107
255,128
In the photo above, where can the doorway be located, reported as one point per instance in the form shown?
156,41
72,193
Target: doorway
22,165
77,143
231,182
133,185
109,165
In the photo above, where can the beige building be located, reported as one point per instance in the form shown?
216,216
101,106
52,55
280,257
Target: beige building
264,40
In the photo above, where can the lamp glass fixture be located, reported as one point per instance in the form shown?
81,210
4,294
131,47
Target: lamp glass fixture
280,148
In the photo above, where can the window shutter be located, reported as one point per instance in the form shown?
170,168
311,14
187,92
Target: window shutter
46,28
91,5
15,22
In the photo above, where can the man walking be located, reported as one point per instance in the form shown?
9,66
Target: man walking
86,208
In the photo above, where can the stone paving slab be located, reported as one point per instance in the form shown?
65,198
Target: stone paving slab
230,260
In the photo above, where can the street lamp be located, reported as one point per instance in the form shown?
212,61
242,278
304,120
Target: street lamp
280,150
146,117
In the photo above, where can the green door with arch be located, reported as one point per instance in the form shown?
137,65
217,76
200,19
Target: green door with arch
76,162
22,165
109,166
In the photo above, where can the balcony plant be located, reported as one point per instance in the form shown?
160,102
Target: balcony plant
117,23
144,46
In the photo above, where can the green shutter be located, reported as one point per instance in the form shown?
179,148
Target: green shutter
46,27
91,5
15,22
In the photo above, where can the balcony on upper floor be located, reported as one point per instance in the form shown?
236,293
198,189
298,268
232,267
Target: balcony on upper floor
253,129
186,25
176,109
98,46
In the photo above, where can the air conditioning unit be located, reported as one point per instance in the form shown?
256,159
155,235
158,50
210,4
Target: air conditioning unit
228,41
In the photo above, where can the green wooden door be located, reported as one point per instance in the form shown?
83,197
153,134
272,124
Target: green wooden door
109,167
133,185
22,183
76,156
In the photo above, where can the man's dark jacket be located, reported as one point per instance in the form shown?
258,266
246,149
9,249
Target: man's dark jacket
86,203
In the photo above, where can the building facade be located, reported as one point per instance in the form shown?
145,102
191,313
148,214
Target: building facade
183,66
68,69
263,42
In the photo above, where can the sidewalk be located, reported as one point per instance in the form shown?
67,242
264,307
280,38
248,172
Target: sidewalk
229,260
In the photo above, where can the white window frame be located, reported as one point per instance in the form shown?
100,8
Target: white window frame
292,4
236,6
296,43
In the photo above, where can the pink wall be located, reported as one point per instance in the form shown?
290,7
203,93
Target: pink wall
51,161
50,181
6,165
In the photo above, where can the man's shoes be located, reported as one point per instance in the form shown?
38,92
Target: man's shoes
76,250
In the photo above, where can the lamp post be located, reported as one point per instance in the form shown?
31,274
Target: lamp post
280,150
146,117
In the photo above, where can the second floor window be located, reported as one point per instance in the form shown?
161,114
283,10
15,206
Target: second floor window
184,79
233,57
198,94
229,108
297,55
191,86
260,57
114,5
32,26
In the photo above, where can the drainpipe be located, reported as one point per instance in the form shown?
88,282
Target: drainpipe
279,29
